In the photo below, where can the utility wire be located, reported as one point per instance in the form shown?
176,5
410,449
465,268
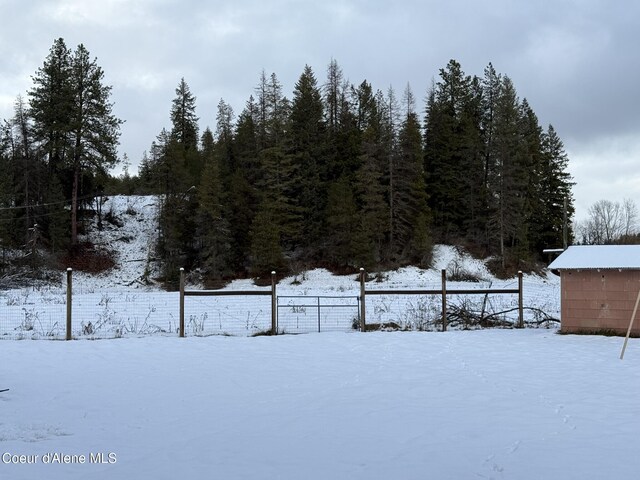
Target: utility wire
44,204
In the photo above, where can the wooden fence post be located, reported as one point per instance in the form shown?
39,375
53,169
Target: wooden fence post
363,321
444,300
274,305
69,300
520,303
182,302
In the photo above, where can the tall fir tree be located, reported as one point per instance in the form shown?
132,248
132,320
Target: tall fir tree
178,165
509,179
371,230
214,245
308,150
184,133
94,129
555,193
411,214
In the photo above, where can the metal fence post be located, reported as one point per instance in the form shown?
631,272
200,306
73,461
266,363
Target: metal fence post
182,302
444,300
274,305
520,307
363,321
69,300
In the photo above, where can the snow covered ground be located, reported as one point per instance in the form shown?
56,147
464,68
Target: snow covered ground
495,404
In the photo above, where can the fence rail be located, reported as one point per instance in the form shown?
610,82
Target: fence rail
443,292
111,314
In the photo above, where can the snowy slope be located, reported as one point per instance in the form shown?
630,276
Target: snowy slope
131,243
122,301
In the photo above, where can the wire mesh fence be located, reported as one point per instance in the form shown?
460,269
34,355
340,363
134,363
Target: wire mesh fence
31,313
52,313
227,315
42,314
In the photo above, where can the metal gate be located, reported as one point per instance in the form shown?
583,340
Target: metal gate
319,313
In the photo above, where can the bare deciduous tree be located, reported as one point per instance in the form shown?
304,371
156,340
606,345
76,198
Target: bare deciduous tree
609,221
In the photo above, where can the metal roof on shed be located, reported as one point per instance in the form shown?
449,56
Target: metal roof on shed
591,257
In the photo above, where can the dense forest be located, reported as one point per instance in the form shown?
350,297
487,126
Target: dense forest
339,175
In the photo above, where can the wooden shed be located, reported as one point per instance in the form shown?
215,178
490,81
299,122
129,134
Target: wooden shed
599,286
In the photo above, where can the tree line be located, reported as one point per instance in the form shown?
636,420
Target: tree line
344,176
339,175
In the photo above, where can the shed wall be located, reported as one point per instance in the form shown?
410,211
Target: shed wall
602,300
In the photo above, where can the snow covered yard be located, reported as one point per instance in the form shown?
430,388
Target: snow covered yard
502,404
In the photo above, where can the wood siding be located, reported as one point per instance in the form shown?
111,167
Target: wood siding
599,301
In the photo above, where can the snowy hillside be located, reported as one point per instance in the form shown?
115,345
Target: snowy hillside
129,237
124,300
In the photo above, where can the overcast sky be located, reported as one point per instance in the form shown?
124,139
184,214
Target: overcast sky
576,62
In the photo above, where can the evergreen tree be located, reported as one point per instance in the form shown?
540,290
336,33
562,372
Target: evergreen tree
447,158
530,232
410,198
308,148
509,180
224,137
6,190
555,190
177,165
183,117
94,130
213,228
278,171
25,172
371,229
242,184
184,133
51,103
341,218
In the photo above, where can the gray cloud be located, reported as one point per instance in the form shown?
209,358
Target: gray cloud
573,60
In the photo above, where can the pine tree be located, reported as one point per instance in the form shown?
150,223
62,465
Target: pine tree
183,117
308,147
184,134
474,200
447,158
343,136
94,129
242,184
26,174
278,171
509,180
531,232
372,228
7,224
213,227
224,137
410,203
177,165
51,102
555,190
